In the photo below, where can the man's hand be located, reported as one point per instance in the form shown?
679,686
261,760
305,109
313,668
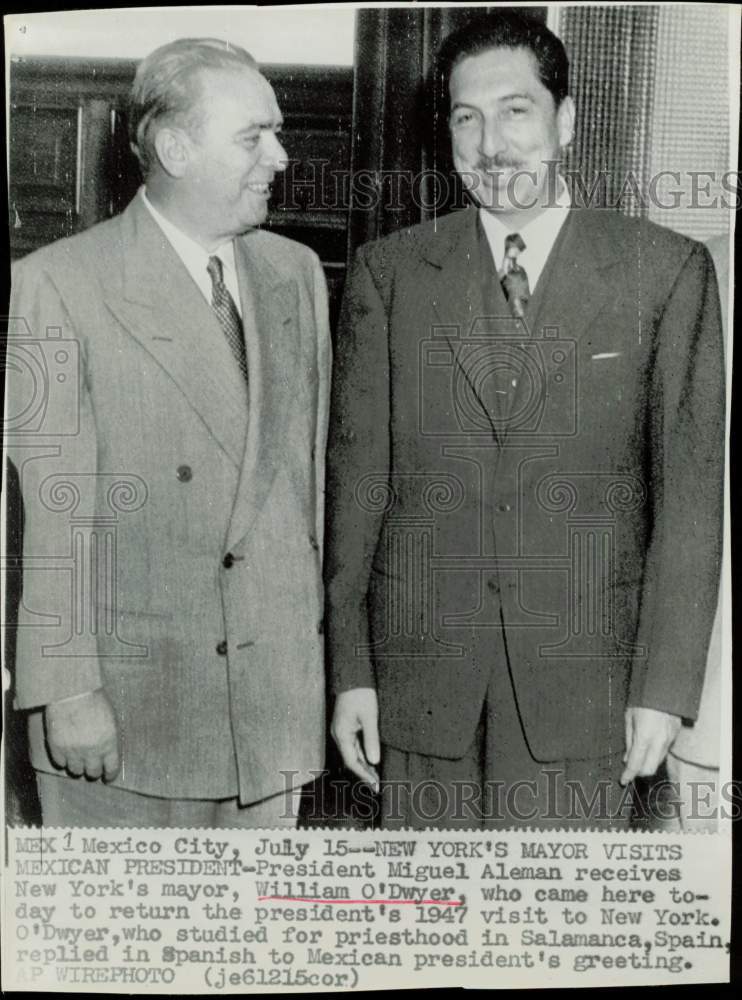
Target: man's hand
357,711
82,735
649,735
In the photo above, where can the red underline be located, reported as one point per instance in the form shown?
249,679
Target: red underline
389,902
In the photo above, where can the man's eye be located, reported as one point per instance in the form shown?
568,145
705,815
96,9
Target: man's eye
250,141
462,118
517,110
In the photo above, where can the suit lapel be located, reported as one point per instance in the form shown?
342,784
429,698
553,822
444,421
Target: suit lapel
163,309
475,313
270,320
578,281
457,296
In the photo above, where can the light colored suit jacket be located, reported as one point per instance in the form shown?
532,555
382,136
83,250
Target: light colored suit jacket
173,526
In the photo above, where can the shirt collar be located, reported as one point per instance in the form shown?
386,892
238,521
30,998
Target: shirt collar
190,252
541,231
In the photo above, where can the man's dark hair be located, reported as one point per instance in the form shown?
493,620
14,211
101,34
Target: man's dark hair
510,30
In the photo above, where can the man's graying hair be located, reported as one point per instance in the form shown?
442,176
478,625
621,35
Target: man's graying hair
506,29
166,87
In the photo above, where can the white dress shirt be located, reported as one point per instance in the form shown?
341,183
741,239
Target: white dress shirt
196,259
539,235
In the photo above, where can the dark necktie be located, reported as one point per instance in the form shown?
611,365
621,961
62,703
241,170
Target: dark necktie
226,312
513,277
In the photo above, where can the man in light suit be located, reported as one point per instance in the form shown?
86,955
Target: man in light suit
524,477
170,635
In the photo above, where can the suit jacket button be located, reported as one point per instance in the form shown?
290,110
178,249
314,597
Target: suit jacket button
222,648
184,473
504,508
228,561
313,543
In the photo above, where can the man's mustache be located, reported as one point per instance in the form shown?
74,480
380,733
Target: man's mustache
499,162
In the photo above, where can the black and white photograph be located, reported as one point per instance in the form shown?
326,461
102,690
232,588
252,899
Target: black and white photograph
367,377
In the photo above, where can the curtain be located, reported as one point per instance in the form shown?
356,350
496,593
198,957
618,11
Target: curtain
652,93
690,126
611,52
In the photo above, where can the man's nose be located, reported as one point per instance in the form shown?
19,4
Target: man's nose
273,152
492,140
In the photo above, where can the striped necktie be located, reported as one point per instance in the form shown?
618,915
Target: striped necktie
226,312
513,277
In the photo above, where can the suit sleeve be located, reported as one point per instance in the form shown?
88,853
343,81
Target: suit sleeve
324,368
358,447
50,438
685,478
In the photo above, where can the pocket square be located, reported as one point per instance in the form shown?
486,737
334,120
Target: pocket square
604,357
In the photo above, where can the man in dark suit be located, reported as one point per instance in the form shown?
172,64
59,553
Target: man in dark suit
524,477
170,639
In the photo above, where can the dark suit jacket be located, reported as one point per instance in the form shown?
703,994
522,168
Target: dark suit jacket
149,462
582,508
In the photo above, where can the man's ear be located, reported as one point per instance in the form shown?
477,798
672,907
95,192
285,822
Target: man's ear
171,146
566,121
